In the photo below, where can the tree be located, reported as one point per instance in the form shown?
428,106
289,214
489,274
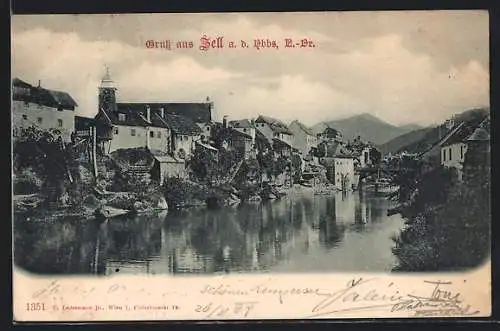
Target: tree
375,156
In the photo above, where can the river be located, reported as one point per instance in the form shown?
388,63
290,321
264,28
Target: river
302,232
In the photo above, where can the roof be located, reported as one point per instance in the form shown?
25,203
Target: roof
163,157
280,143
131,118
195,111
244,123
467,129
43,96
330,131
259,137
240,134
207,146
304,128
276,125
182,125
17,82
480,134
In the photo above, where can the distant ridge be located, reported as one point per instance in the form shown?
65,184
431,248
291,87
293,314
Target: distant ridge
368,127
394,145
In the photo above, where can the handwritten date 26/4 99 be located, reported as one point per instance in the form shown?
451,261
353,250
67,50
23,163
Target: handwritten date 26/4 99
236,309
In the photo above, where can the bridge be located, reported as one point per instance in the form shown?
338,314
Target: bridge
378,170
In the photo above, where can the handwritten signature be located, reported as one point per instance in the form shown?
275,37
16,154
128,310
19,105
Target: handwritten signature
361,294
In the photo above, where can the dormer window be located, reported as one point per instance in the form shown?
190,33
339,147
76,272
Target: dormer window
121,117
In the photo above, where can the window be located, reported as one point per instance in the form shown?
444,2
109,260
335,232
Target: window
115,130
461,152
59,122
244,130
60,108
121,117
39,120
25,117
444,154
208,128
158,134
449,153
152,134
185,138
132,132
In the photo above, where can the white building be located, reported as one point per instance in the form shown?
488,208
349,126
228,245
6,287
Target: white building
454,147
49,110
344,172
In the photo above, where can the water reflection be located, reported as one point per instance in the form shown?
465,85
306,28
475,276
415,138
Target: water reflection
299,233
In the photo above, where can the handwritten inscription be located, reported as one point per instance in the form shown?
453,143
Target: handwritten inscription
440,302
236,309
359,294
433,298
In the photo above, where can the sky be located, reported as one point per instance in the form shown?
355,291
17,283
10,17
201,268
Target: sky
415,67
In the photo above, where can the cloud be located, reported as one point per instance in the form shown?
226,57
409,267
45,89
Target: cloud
380,73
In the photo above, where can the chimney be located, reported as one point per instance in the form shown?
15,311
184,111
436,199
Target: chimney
162,112
224,121
39,83
148,113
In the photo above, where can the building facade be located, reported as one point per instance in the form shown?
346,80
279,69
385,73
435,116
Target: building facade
48,110
166,127
344,172
304,139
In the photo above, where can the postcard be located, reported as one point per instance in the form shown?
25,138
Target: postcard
251,166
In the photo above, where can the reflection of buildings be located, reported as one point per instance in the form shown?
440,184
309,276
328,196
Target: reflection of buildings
345,206
273,235
362,212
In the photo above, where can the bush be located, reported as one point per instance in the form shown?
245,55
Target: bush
27,181
448,223
179,192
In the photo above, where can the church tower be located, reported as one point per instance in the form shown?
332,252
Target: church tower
107,93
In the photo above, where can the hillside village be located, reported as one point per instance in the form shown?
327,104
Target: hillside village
180,145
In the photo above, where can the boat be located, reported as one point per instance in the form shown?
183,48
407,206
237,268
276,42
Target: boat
110,212
384,185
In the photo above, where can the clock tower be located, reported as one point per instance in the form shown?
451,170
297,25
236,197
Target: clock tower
107,93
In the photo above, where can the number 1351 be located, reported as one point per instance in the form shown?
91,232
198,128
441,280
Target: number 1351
35,306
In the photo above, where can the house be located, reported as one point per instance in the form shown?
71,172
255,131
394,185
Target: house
166,165
164,126
243,143
363,157
304,139
329,134
244,126
277,133
454,147
128,128
49,110
184,134
339,164
344,171
83,125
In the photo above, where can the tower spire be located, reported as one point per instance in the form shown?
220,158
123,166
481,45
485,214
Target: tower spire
106,81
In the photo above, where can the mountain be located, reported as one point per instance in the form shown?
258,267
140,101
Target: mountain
368,127
396,144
